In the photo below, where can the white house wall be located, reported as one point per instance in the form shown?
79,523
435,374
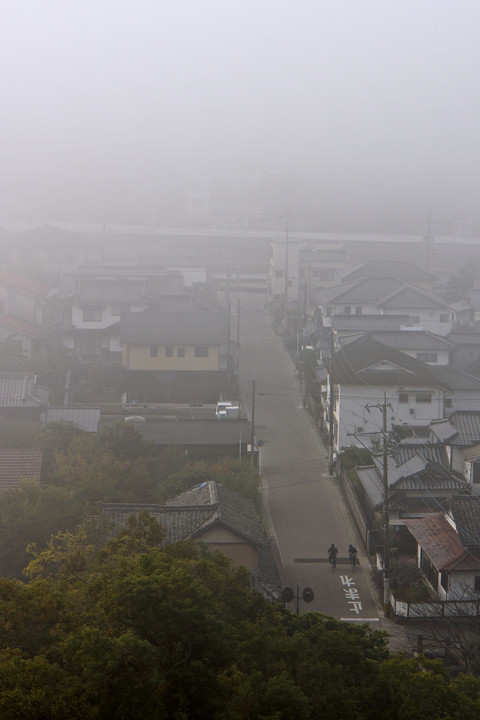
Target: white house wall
352,414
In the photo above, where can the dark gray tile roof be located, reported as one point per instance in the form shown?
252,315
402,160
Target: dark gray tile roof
464,337
21,390
467,425
466,515
357,363
455,379
192,512
411,297
359,292
19,464
432,452
105,292
401,269
369,322
151,326
411,340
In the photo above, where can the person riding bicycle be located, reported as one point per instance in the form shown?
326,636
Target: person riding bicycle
352,554
332,554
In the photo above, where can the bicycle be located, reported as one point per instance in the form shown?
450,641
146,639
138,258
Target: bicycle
333,562
353,560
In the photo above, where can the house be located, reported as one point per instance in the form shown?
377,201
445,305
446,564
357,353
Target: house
21,397
22,331
18,464
208,513
91,299
385,296
303,265
418,484
466,351
402,270
448,549
365,323
460,435
420,344
362,374
176,356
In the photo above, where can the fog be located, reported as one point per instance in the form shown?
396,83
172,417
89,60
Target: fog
354,115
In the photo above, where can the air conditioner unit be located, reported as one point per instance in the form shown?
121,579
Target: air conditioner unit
412,411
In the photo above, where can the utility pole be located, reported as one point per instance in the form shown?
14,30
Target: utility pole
331,403
428,240
229,348
238,323
287,231
252,436
386,505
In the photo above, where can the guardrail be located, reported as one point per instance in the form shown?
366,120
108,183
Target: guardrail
435,609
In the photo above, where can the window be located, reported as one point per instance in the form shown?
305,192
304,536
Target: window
423,397
476,583
427,356
444,317
348,309
168,350
201,351
448,402
153,350
403,397
92,314
180,352
358,309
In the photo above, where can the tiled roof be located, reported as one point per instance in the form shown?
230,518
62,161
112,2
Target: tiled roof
455,379
84,418
103,292
411,340
12,279
443,430
20,390
466,515
19,464
360,292
360,363
441,543
21,325
369,322
411,297
190,514
401,269
432,452
150,326
464,337
467,425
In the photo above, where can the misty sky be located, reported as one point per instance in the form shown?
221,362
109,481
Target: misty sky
110,96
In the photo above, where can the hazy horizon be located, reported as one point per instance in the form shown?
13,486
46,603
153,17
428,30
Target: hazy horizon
353,115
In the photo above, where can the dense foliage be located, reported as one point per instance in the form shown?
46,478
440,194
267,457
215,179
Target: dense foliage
129,630
81,470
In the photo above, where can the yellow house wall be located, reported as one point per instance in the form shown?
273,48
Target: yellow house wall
232,545
137,357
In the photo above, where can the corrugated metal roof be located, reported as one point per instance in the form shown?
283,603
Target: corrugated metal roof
439,540
194,432
21,390
443,430
372,483
84,418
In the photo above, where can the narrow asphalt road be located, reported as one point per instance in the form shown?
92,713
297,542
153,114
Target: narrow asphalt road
304,504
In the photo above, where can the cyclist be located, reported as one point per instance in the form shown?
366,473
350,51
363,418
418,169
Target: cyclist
332,556
352,554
